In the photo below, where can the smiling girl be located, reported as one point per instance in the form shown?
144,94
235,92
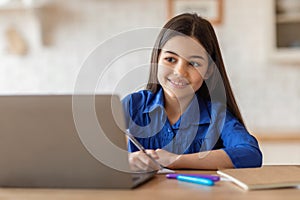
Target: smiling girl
181,118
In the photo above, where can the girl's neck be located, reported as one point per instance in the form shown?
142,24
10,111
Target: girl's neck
175,107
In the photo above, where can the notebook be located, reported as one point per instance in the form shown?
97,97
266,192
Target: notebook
40,145
266,177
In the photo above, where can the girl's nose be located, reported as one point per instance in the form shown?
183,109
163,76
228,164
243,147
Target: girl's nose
180,68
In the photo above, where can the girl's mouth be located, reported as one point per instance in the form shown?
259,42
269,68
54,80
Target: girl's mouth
178,83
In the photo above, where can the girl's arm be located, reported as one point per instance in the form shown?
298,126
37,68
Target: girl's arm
211,160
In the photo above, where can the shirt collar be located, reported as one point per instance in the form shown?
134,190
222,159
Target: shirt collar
204,113
191,113
155,101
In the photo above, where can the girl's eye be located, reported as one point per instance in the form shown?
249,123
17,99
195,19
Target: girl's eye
194,64
170,59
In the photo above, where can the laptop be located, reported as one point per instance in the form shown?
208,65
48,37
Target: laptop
42,146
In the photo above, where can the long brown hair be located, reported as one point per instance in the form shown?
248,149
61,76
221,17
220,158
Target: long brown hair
195,26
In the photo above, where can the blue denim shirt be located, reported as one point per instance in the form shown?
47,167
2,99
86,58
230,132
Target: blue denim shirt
203,126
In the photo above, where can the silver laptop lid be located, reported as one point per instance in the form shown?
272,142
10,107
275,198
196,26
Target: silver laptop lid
40,146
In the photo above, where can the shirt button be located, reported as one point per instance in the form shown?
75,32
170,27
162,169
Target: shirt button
169,130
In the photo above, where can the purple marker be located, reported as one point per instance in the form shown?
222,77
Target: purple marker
211,177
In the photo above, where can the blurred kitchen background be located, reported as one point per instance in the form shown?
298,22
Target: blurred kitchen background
43,44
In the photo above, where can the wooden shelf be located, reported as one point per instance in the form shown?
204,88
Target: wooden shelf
286,55
288,18
284,35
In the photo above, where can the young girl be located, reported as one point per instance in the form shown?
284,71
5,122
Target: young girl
181,118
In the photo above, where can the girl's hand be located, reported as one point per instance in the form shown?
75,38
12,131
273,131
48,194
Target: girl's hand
140,161
166,158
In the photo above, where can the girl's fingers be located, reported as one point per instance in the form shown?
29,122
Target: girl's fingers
149,162
141,165
140,161
136,163
152,153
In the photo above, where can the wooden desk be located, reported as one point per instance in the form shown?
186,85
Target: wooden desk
157,188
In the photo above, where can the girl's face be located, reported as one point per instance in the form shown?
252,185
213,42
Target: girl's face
182,67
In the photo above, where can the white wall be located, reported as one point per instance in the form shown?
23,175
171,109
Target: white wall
287,153
267,93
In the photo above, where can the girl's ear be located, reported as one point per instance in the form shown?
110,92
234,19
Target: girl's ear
209,72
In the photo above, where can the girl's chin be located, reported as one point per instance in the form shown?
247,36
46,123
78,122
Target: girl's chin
178,93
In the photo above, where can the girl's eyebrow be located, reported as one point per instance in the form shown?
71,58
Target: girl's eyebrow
171,52
194,56
200,57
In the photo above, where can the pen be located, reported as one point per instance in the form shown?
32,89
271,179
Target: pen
211,177
141,148
197,180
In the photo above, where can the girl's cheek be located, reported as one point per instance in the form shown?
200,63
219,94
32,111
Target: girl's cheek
163,69
160,76
162,73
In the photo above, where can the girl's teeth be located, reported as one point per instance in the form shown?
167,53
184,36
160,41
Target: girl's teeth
178,83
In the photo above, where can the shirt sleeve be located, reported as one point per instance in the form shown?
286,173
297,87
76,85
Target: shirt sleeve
239,144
